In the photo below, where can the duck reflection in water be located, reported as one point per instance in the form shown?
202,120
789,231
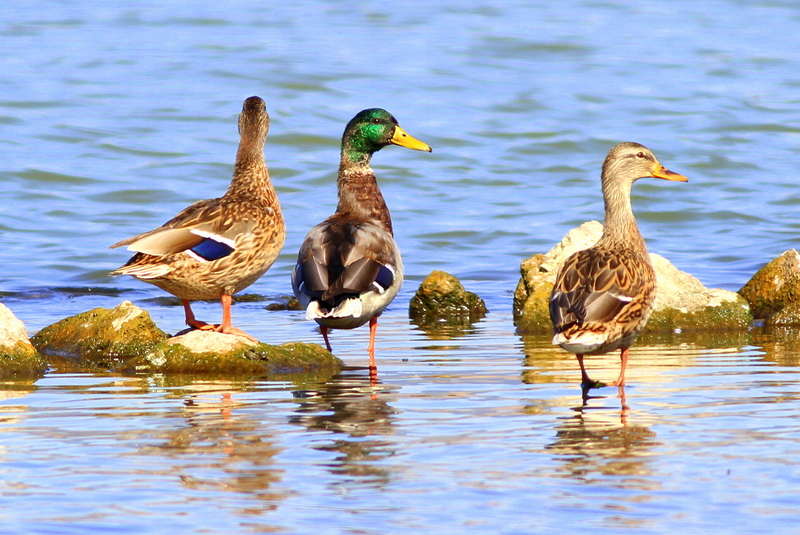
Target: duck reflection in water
594,443
355,407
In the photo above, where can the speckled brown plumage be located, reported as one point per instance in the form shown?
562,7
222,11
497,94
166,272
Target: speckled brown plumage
217,247
604,295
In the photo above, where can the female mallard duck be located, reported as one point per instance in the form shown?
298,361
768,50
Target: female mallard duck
217,247
603,296
349,268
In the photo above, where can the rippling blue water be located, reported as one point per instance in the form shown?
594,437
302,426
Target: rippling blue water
113,117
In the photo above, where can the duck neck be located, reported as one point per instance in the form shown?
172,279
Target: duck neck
620,226
359,194
250,175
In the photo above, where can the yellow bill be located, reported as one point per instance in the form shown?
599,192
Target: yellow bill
401,138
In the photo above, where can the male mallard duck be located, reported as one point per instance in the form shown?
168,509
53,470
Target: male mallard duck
349,268
217,247
603,296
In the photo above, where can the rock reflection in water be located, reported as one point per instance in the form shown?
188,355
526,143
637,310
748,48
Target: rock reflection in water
12,414
652,358
445,330
356,408
781,345
222,446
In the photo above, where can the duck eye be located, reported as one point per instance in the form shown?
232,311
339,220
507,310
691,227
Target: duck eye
640,155
376,121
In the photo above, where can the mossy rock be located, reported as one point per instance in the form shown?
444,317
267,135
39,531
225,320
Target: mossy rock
682,302
774,286
18,357
211,353
728,315
534,316
532,298
21,361
442,301
101,337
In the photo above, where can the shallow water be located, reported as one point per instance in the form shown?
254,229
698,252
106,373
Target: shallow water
113,118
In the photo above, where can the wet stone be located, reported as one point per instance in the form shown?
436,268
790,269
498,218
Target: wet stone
211,353
774,291
682,302
442,302
100,338
126,340
18,357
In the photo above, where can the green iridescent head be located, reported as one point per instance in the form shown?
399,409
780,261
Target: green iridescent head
371,130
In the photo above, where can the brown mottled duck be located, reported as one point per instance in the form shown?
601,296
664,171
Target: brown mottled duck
217,247
603,296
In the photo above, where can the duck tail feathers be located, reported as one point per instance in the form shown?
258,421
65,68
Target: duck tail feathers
347,308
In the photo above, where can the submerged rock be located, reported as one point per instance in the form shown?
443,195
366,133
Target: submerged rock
682,302
774,291
18,357
101,337
209,352
284,302
442,302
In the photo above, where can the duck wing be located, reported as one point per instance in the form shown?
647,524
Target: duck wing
209,228
596,285
344,257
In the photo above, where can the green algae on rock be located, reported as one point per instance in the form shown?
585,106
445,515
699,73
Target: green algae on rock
101,337
211,353
775,287
18,357
682,302
442,300
125,339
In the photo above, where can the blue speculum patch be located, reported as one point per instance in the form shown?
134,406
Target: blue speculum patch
210,249
385,277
